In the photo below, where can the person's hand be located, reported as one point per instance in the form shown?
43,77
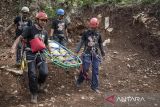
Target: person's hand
69,40
50,38
13,50
49,50
76,54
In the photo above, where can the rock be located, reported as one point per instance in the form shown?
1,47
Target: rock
136,54
119,81
68,95
145,84
22,106
13,70
107,41
155,104
128,59
100,68
62,86
69,40
129,66
115,52
145,76
15,92
6,73
2,67
79,90
49,104
45,90
91,98
82,97
52,99
109,29
47,85
106,22
137,89
133,90
41,105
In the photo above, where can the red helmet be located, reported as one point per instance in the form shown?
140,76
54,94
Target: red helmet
94,23
41,15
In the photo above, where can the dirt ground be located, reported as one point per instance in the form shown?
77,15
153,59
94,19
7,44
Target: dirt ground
127,68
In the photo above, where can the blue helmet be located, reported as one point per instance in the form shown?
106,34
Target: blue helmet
60,12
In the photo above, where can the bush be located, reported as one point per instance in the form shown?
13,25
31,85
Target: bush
50,11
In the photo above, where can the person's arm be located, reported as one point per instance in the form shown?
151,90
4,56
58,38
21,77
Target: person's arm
16,20
81,43
46,42
101,46
30,23
66,34
79,46
24,35
66,31
52,28
9,27
15,44
51,32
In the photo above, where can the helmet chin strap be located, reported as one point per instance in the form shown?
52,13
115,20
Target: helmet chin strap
39,26
93,28
24,17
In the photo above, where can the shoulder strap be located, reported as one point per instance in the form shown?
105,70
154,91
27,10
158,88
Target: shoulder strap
21,20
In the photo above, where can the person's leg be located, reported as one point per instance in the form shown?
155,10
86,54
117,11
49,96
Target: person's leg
18,54
43,71
56,38
63,42
85,67
32,76
32,81
95,71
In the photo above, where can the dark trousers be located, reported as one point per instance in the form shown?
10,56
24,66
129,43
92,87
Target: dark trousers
18,53
60,39
87,61
36,61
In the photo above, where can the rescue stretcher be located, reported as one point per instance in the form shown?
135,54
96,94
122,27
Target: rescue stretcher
61,56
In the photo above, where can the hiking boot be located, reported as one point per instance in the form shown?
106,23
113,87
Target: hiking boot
41,87
18,65
34,98
77,83
67,71
97,91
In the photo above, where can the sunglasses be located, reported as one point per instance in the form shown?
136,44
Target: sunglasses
43,20
25,13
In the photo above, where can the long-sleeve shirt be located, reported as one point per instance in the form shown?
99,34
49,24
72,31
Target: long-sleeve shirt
92,42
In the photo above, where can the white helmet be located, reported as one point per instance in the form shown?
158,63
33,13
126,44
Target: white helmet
25,9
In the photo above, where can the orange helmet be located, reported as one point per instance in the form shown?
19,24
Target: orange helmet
41,15
93,22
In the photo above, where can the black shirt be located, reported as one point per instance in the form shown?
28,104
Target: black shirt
32,32
59,26
92,42
21,24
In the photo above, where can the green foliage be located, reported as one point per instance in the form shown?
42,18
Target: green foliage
84,2
50,11
149,1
